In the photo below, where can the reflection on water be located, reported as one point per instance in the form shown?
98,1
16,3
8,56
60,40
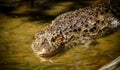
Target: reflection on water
19,25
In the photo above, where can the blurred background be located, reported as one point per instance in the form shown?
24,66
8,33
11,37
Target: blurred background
21,19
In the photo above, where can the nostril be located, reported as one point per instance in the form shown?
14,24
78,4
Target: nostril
33,38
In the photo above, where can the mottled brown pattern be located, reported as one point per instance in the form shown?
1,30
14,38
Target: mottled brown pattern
79,27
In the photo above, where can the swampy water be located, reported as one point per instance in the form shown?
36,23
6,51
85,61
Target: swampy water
17,27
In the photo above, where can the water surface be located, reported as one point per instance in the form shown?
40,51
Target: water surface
18,26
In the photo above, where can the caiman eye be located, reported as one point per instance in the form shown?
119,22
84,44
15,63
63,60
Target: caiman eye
42,43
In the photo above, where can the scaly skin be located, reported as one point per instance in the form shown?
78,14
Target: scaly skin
79,27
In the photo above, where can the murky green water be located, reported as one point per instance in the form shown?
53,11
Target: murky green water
18,28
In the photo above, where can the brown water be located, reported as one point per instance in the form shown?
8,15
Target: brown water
18,28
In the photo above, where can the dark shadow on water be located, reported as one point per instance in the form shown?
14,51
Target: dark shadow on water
39,14
5,9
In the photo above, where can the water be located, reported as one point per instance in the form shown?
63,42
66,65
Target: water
18,26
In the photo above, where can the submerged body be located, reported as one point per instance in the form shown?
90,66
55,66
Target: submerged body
79,27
